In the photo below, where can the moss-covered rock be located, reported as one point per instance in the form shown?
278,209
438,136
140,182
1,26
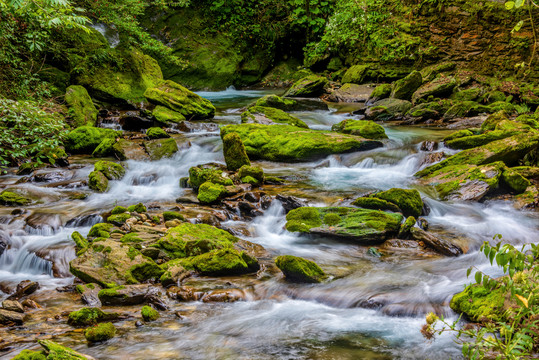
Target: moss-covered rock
118,210
388,109
177,98
469,142
226,261
109,263
361,225
405,87
194,239
409,201
458,135
161,148
165,115
101,230
462,109
380,92
81,108
471,94
312,85
105,148
156,133
375,204
129,150
439,87
85,139
479,303
30,355
269,116
138,208
209,192
300,270
234,152
10,198
514,180
98,181
89,316
493,120
404,231
56,351
100,332
430,72
80,242
255,172
214,173
290,143
277,102
111,170
118,219
149,314
364,128
355,74
429,110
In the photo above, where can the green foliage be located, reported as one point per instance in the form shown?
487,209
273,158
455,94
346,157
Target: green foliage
26,129
514,334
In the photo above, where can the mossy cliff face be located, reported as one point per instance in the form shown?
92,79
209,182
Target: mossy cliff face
290,143
361,225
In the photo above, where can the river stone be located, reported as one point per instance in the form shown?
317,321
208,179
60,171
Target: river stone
129,150
24,288
132,295
161,148
234,152
11,305
405,88
89,293
350,93
387,109
277,102
11,317
441,246
290,143
81,108
56,352
270,116
110,263
364,128
312,85
297,269
359,225
175,97
439,87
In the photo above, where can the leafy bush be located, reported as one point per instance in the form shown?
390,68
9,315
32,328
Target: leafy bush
26,130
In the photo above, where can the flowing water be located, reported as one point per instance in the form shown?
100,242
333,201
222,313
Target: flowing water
373,308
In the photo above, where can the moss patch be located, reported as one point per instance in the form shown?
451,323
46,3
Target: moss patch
364,128
300,270
101,332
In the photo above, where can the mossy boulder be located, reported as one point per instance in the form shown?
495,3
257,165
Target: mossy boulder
209,192
355,74
226,261
85,139
82,110
105,148
269,116
515,181
234,151
290,143
161,148
89,316
255,172
479,303
194,239
110,263
157,133
214,173
364,128
138,208
277,102
349,93
100,332
30,355
469,142
118,210
52,351
429,110
111,170
409,201
462,109
430,72
128,85
442,86
380,92
10,198
360,225
406,227
101,230
98,181
388,109
118,219
165,115
149,314
405,87
312,85
177,98
297,269
472,94
129,150
375,204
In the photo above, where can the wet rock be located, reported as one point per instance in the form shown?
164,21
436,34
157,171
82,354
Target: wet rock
387,109
132,295
439,87
277,102
11,317
224,295
234,152
350,93
423,224
309,86
290,202
405,87
148,314
13,198
84,220
174,275
54,176
269,116
297,269
44,221
363,128
85,139
89,294
30,304
428,146
408,200
432,158
89,317
24,288
225,262
248,209
188,126
138,323
441,246
11,305
161,148
133,121
99,333
129,150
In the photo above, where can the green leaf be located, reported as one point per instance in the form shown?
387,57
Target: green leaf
509,5
518,26
519,3
478,277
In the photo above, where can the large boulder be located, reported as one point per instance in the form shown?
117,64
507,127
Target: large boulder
234,152
110,263
270,116
161,148
177,98
355,74
439,87
380,92
481,304
405,88
81,108
85,139
349,93
129,150
277,102
360,225
309,86
212,172
408,201
364,128
165,115
297,269
226,261
290,143
388,109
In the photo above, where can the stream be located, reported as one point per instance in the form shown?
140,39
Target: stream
373,308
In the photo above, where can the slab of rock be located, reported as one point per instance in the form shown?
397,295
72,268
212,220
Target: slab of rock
439,245
11,305
11,317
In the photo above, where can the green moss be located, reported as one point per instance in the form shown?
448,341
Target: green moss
226,261
355,74
515,181
332,219
479,304
471,94
81,108
255,172
165,115
118,219
173,215
80,242
110,169
312,85
438,87
98,181
380,92
131,238
9,198
89,316
250,180
58,352
269,115
405,87
364,128
101,332
30,355
388,109
85,139
149,314
406,226
105,148
492,120
375,204
300,270
161,148
409,201
469,142
146,270
277,102
138,208
177,98
290,143
462,109
209,172
458,134
210,192
100,230
156,133
118,210
234,152
303,219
